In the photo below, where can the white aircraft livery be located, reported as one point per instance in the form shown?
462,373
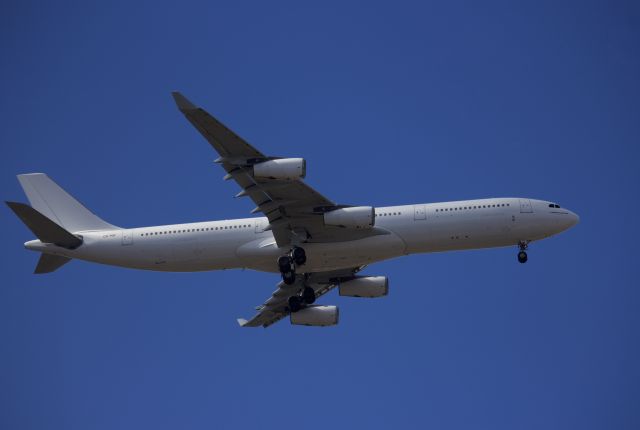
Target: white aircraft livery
315,244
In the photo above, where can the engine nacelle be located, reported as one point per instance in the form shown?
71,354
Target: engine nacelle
283,168
316,316
358,217
365,286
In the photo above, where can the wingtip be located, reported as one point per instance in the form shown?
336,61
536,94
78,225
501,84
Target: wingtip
182,102
242,322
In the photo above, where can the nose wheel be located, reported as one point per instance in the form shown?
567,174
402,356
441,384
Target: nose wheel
522,255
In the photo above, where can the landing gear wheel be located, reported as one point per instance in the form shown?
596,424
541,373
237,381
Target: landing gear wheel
308,295
289,278
285,264
522,257
299,256
295,303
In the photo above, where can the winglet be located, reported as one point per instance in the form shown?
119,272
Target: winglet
182,102
242,322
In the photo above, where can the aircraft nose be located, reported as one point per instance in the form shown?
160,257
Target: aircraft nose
569,220
575,219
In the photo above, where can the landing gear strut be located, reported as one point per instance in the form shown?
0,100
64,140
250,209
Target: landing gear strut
522,255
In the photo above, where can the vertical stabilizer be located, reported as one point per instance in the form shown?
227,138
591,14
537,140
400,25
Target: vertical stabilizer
52,201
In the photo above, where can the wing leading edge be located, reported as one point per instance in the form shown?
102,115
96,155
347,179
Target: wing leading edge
293,208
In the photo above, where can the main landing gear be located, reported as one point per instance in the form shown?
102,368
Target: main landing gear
298,302
287,265
522,255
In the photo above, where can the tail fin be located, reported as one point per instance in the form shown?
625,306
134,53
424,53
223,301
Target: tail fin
49,263
53,202
44,229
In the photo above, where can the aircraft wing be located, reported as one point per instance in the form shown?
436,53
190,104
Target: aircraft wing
276,308
292,207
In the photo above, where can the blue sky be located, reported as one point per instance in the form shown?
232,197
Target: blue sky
390,103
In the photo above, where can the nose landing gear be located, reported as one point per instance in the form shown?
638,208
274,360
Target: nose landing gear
522,255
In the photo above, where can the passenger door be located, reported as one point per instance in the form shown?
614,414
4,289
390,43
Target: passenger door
419,212
127,237
525,206
260,225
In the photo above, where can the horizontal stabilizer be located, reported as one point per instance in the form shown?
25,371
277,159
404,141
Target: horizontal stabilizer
49,263
44,229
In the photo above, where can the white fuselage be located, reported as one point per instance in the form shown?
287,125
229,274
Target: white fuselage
244,243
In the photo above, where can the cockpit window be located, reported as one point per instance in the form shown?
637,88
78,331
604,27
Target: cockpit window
553,205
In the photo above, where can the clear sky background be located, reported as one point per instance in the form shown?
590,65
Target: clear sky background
390,103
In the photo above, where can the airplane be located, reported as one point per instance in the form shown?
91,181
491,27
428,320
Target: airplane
315,244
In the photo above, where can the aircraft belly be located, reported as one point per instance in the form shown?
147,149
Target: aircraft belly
161,254
262,254
454,232
342,255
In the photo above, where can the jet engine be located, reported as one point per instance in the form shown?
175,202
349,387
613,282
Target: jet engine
316,316
283,168
365,286
362,217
